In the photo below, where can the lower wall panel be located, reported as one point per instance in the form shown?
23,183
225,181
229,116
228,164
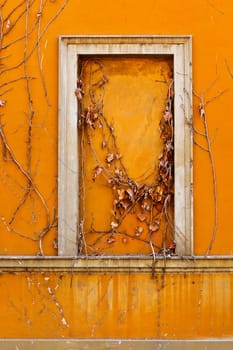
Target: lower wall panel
216,344
91,306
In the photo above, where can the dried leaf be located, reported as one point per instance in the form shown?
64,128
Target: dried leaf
97,171
146,206
169,146
111,182
79,123
95,115
125,203
130,193
104,144
114,224
154,226
141,217
121,194
159,191
55,243
172,246
109,157
118,156
138,231
118,172
8,24
79,93
99,124
110,240
201,110
160,156
167,116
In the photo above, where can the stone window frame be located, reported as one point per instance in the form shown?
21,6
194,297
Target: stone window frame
70,47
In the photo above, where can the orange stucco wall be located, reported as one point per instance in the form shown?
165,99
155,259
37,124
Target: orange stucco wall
115,306
108,305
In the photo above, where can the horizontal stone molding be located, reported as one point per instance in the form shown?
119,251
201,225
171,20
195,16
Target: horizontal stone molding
118,264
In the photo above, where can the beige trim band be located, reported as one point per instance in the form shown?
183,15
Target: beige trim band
54,344
117,265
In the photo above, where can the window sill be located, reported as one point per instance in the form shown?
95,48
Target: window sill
118,264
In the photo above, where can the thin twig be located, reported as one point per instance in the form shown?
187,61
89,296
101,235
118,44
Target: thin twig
37,42
21,203
12,26
215,7
16,79
3,4
228,68
6,46
13,10
19,166
214,186
200,146
42,4
203,116
31,109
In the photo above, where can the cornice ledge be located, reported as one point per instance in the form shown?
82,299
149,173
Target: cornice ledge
125,264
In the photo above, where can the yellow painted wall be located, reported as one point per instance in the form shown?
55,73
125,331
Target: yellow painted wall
107,305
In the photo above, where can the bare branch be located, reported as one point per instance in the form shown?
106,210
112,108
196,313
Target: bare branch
39,53
14,80
26,175
229,69
199,145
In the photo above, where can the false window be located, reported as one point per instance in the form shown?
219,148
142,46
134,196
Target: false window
125,146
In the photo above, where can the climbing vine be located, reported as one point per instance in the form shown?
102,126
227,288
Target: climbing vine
22,30
206,145
151,204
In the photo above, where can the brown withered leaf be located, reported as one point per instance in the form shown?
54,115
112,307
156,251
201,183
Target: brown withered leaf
121,194
109,157
154,226
167,116
110,240
111,182
159,191
79,93
138,231
172,245
114,224
120,176
118,156
130,193
146,205
104,144
124,240
118,172
160,156
97,171
141,217
169,146
98,124
125,203
95,115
